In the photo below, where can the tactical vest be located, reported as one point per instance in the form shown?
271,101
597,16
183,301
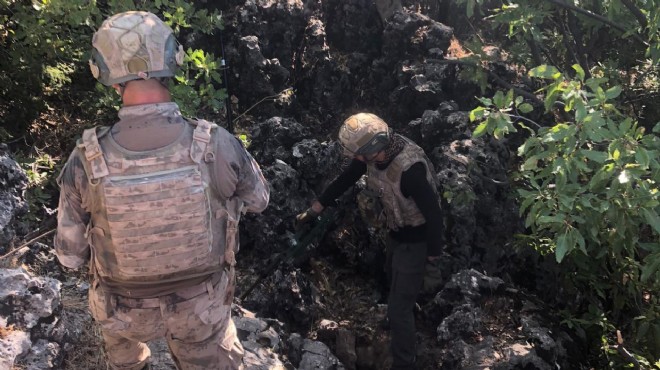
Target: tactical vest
386,184
154,219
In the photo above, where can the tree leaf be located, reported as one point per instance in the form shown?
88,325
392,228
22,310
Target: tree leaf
652,218
525,108
498,100
650,267
613,92
562,247
642,157
480,130
579,71
545,71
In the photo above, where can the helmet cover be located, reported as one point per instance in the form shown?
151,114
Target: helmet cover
134,45
363,133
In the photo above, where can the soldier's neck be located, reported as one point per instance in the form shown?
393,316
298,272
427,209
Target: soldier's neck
145,92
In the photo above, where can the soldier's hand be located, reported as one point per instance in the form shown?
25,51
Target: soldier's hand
306,217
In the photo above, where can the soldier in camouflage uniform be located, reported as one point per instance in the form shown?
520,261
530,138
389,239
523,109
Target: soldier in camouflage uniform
401,178
153,203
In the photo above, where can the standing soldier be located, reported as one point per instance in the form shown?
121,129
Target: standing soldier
400,175
154,202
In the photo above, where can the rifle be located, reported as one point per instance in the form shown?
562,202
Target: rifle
301,240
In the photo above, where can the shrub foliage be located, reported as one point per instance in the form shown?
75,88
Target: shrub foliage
589,169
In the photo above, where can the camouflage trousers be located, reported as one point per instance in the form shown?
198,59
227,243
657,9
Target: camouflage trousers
199,331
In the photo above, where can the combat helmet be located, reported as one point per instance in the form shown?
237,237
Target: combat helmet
364,134
134,45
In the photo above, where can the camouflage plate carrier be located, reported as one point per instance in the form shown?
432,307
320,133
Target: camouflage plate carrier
399,211
154,217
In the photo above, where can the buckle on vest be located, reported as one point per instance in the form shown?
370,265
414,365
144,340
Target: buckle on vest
92,152
202,136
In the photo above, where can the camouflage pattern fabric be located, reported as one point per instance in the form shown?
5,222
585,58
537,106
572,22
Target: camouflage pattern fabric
399,210
134,45
231,174
199,331
189,306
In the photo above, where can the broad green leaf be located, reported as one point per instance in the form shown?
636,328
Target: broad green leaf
642,157
498,100
599,181
626,125
577,236
545,71
480,130
651,267
551,97
550,220
652,218
656,128
525,108
651,247
509,98
470,8
613,92
566,201
485,101
477,113
594,155
579,71
533,212
580,111
531,163
562,247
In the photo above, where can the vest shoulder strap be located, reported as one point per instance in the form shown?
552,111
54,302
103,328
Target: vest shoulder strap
200,148
95,165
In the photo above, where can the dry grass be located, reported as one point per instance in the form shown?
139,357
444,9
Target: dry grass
88,353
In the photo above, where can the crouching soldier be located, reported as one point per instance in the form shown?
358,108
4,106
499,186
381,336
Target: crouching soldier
401,176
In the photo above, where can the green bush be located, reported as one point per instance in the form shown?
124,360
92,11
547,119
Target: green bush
47,44
589,171
591,186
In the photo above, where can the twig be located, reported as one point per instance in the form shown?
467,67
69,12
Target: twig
20,247
636,12
597,17
570,47
271,97
497,78
526,119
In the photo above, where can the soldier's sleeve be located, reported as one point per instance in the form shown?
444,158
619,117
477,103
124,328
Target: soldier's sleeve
252,187
71,245
237,174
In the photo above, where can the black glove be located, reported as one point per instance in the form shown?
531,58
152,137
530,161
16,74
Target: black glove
305,217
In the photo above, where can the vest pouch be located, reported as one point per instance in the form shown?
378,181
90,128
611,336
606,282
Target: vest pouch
371,207
159,222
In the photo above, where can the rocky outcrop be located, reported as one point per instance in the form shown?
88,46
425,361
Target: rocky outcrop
13,206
